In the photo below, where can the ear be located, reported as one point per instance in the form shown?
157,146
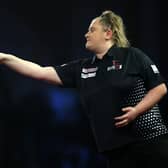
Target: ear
109,34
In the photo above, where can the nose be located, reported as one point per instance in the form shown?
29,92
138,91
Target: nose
86,35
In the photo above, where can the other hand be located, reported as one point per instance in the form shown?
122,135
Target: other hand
129,115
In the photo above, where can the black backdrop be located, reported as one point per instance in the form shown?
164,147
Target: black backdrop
42,125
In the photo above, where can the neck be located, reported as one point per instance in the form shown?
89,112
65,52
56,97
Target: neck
103,51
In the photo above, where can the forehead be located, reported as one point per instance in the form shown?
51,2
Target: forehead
95,23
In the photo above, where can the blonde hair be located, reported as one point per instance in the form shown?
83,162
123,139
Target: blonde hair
113,21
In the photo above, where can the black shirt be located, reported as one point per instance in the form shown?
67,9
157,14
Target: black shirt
120,79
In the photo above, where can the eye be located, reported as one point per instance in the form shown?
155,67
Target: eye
92,29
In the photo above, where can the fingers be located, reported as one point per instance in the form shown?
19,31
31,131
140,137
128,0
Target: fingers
126,118
120,117
121,123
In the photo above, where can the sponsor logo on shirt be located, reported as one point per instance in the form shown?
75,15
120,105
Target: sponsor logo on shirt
88,72
84,76
115,65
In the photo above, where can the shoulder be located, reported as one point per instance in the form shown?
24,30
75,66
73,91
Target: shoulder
86,61
128,50
139,53
78,61
119,51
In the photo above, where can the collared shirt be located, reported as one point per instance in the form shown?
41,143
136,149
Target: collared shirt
120,79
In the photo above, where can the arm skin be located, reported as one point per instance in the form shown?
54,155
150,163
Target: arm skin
130,113
30,69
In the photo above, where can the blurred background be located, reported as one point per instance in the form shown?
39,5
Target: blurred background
41,125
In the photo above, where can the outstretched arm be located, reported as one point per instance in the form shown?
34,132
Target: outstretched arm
30,69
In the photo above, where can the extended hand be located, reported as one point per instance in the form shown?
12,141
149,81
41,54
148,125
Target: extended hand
3,56
125,119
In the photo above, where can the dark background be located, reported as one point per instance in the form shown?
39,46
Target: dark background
41,125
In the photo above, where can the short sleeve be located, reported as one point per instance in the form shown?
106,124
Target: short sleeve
68,73
148,70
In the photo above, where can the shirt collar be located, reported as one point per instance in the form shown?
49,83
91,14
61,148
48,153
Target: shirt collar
111,52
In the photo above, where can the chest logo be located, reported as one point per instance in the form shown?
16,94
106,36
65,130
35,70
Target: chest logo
116,65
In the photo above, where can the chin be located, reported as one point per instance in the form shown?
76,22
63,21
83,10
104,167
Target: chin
88,47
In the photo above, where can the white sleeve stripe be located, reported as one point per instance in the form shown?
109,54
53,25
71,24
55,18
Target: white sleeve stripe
155,69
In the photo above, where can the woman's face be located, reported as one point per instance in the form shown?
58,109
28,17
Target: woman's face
96,36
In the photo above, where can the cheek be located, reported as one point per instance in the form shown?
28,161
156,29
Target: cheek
100,39
100,35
